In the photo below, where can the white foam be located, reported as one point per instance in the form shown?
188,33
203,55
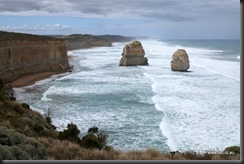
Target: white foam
197,109
228,69
174,92
45,94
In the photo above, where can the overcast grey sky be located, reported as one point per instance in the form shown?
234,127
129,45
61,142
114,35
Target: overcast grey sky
169,19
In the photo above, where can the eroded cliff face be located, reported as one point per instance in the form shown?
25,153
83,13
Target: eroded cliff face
19,58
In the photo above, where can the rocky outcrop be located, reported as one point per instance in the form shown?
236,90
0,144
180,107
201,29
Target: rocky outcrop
133,55
180,61
24,54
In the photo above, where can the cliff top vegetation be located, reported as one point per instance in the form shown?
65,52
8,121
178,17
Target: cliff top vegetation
13,36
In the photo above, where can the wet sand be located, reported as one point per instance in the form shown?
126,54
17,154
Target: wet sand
31,79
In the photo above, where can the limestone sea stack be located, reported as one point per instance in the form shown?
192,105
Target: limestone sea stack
133,55
180,61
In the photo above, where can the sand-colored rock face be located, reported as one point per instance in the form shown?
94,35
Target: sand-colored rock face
133,55
21,58
180,61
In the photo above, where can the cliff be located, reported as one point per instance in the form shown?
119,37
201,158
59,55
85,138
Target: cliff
25,54
79,41
116,38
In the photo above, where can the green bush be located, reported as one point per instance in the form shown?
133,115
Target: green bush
71,133
6,153
26,106
232,149
90,141
94,138
15,146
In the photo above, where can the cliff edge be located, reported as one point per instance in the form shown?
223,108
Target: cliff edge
82,41
26,54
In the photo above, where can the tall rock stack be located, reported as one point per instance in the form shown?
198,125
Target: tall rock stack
180,61
133,55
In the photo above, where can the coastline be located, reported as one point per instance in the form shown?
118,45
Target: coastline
31,79
39,76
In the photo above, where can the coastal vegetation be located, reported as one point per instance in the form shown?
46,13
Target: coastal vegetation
26,134
14,36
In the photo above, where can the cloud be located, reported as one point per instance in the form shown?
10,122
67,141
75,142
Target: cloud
170,18
171,10
36,28
57,26
18,6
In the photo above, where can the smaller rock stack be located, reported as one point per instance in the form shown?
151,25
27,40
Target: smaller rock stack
133,55
180,61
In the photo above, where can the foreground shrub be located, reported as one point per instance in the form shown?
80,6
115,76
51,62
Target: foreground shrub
26,106
95,139
23,119
71,133
15,146
90,141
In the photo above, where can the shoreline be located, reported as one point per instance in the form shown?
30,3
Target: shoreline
32,79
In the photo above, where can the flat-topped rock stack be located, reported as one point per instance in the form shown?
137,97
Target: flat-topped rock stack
180,61
133,55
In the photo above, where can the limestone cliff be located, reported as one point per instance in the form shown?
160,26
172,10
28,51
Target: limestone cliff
25,54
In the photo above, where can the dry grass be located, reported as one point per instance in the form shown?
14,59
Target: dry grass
149,154
65,150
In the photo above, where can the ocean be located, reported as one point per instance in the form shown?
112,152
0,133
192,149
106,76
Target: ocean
149,106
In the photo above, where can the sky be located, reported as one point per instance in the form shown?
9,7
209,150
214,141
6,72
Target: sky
163,19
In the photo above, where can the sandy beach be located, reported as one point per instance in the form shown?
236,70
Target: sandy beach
31,79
